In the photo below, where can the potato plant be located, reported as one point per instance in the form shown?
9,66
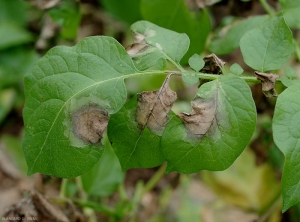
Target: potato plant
76,104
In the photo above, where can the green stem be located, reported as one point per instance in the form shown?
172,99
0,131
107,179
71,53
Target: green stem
178,66
297,51
155,178
139,191
251,79
82,194
122,192
63,188
270,208
95,206
267,7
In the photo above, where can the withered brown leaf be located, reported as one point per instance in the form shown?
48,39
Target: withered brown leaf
89,123
137,48
203,118
48,210
154,106
213,65
268,81
36,206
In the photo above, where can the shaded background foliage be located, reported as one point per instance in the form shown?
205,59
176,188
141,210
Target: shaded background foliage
249,189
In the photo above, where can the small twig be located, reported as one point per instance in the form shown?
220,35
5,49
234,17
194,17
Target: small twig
141,189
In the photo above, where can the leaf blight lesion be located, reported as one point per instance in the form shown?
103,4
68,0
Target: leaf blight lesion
208,117
140,124
154,106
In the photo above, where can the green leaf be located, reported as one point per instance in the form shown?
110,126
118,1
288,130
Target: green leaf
286,133
105,176
134,147
226,42
13,21
66,80
14,11
7,100
140,124
269,46
67,15
287,82
14,64
11,34
190,78
216,132
169,43
175,15
196,62
290,72
161,63
13,146
236,69
150,57
290,9
128,11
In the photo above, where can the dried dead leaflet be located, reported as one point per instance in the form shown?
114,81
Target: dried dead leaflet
154,106
213,65
268,81
203,118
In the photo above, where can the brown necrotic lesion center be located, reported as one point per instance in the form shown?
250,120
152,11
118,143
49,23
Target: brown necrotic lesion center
89,123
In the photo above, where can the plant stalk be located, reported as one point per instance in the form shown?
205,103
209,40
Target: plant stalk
155,178
269,210
267,7
95,206
82,193
250,79
63,188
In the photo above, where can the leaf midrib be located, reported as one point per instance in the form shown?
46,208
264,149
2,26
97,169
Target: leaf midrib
264,57
96,84
148,117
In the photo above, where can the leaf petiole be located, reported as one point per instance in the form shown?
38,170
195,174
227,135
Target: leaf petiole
267,7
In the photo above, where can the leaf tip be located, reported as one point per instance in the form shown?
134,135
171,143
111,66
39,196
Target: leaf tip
286,205
31,171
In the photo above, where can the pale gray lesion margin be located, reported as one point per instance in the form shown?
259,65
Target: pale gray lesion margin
98,83
216,107
65,103
158,97
53,73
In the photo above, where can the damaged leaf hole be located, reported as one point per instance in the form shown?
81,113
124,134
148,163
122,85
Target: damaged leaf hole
89,123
